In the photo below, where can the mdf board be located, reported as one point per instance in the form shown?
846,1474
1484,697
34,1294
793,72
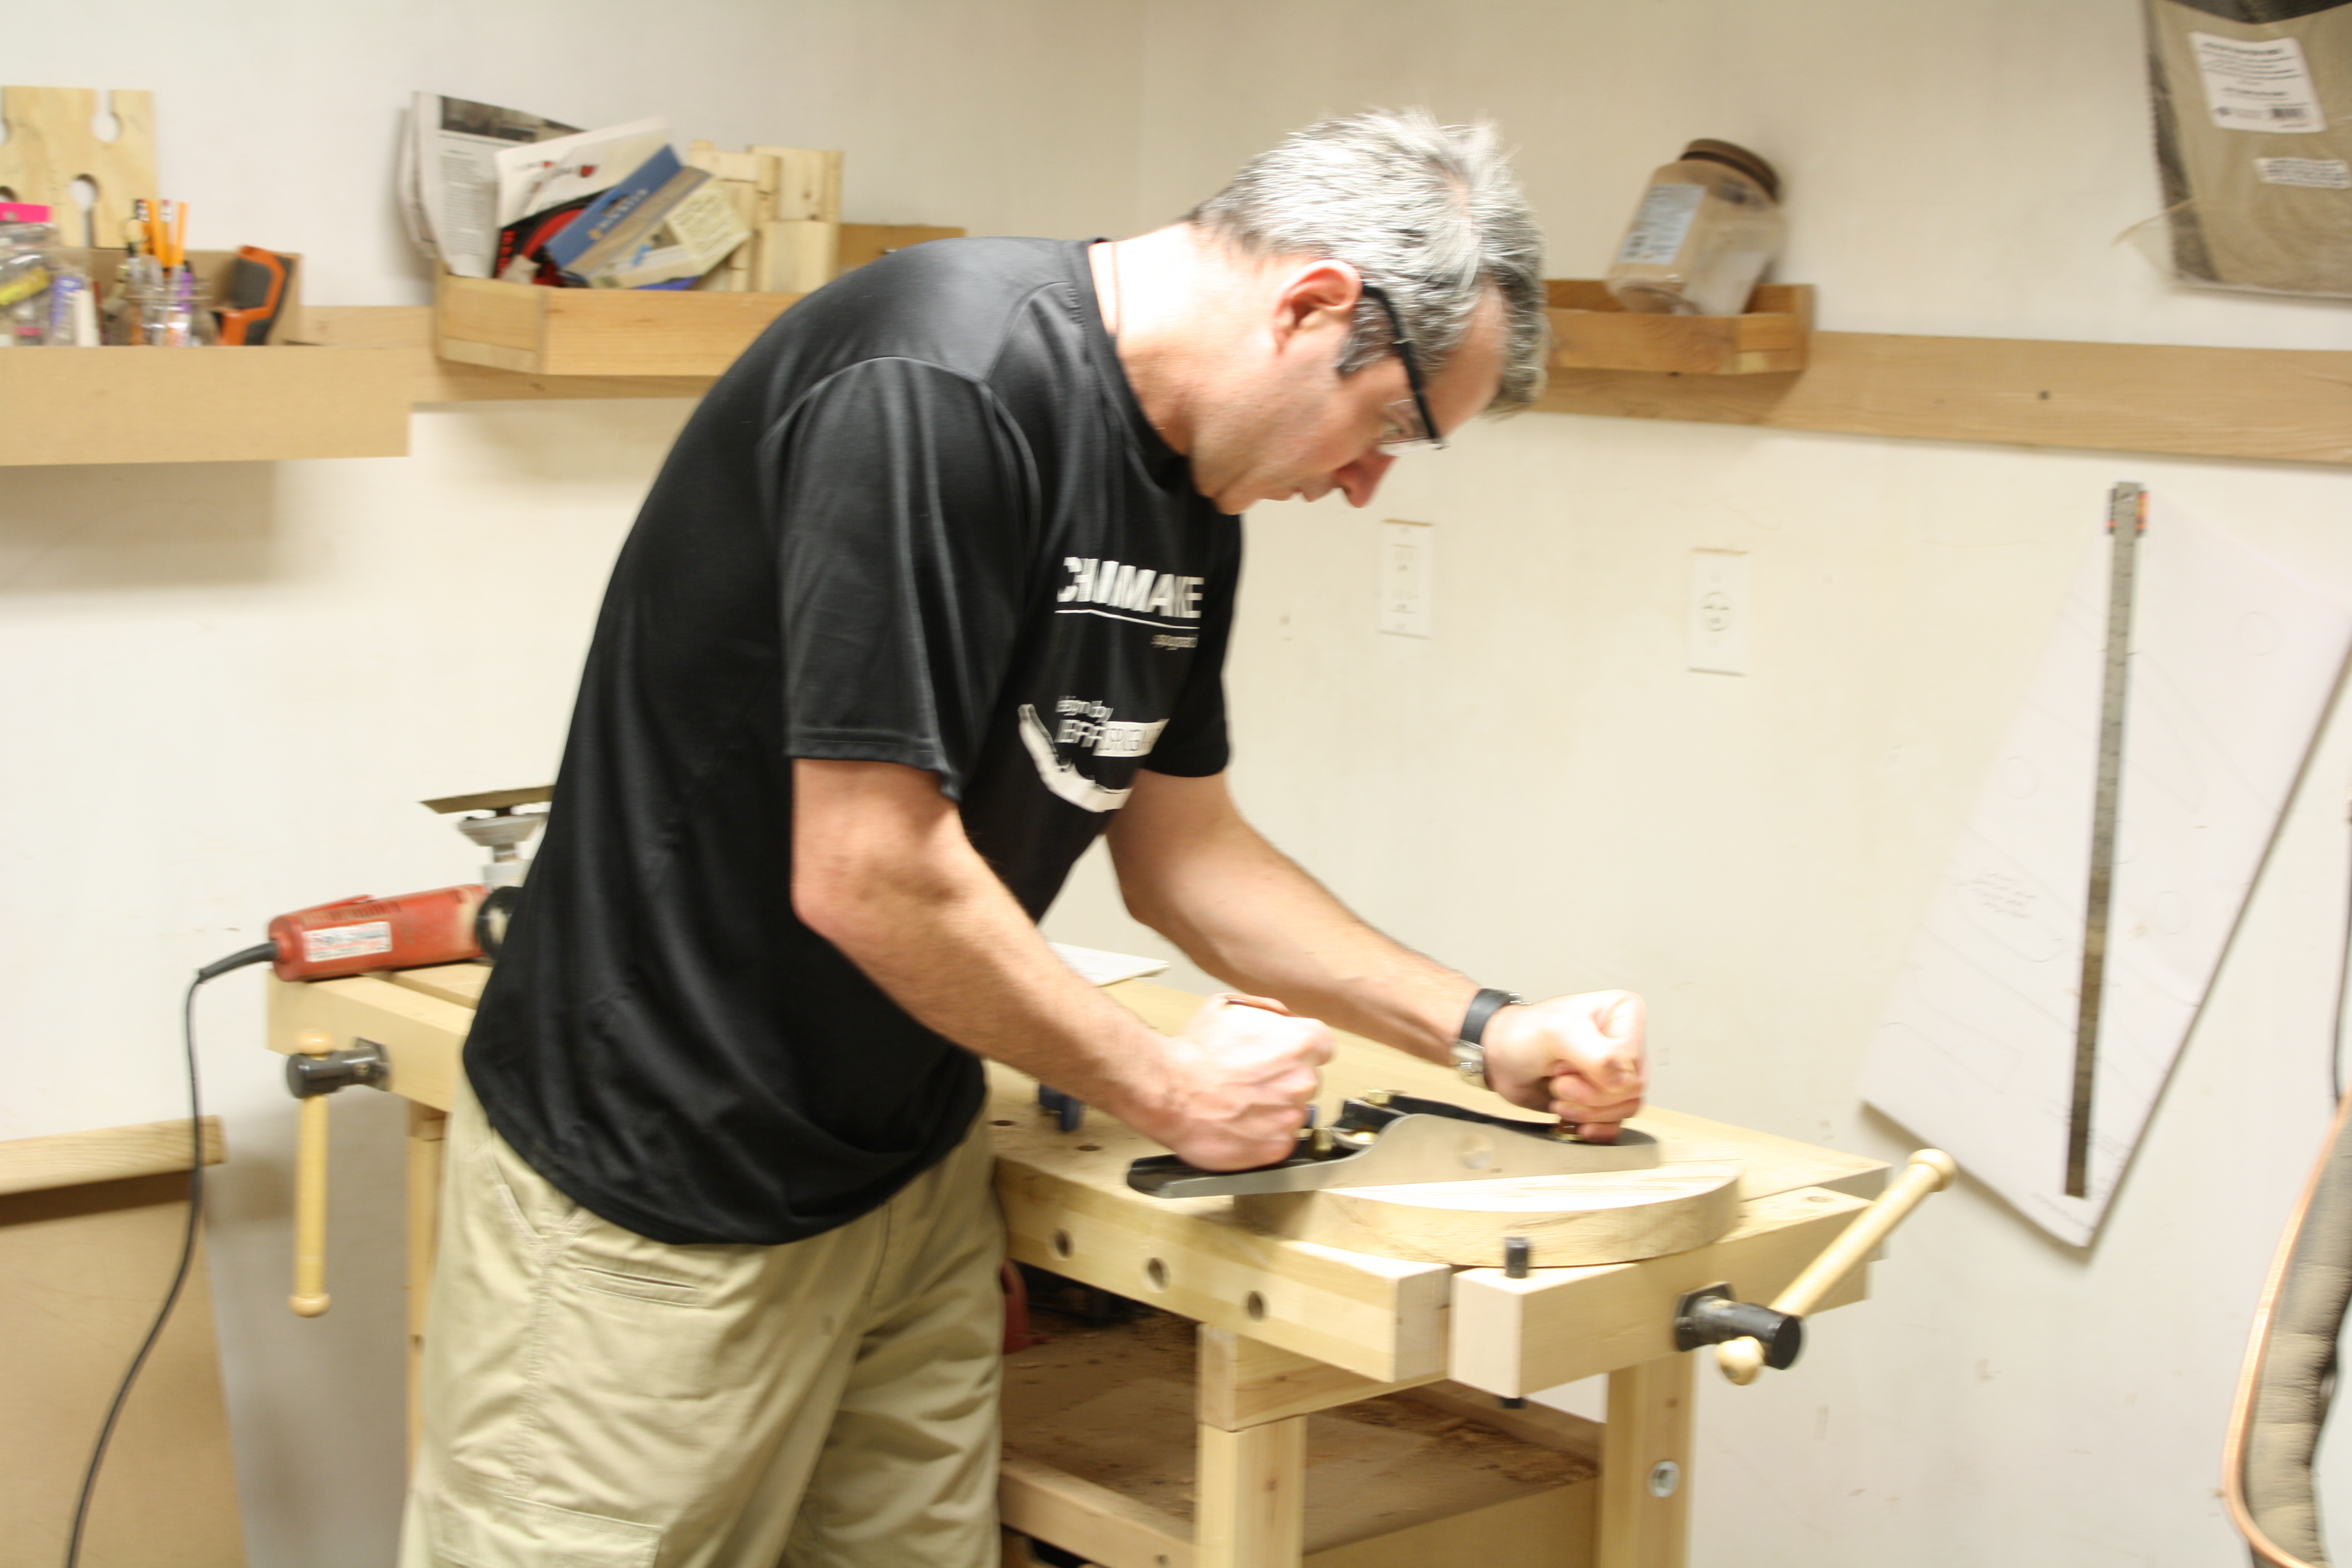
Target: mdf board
82,1270
202,405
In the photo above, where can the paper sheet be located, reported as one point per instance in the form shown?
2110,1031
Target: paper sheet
2233,658
1097,967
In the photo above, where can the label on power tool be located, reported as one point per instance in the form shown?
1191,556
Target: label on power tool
329,944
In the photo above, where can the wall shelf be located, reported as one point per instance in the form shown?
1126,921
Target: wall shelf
2276,405
349,396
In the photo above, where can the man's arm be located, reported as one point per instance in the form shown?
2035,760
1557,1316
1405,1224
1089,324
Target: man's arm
1194,870
881,868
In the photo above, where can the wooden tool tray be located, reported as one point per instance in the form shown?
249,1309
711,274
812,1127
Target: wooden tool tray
1590,330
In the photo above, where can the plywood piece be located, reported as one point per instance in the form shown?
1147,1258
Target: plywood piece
864,242
104,1154
1609,1217
2281,405
82,1270
53,142
1558,1325
1649,1428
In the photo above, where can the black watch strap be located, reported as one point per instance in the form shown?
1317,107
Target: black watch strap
1469,1047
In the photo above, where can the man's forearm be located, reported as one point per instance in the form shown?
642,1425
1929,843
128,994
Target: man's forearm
1246,912
928,923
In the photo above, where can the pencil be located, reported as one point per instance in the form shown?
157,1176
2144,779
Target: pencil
179,234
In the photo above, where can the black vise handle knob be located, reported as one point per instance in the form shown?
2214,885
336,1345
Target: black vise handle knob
1711,1316
364,1065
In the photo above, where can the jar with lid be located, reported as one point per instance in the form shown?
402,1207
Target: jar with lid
1706,228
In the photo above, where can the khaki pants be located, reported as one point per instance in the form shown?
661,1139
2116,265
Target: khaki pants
592,1398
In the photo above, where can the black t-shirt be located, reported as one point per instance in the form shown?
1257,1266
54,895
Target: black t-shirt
922,520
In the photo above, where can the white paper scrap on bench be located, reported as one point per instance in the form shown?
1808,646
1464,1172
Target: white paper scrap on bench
2233,658
1097,967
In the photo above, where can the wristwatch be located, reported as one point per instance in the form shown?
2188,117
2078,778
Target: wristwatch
1469,1051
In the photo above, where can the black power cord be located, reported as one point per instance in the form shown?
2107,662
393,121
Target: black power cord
260,952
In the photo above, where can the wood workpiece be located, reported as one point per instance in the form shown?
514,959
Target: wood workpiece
1608,1217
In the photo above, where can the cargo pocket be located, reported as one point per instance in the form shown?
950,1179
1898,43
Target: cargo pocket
477,1529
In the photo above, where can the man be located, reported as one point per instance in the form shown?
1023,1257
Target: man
934,588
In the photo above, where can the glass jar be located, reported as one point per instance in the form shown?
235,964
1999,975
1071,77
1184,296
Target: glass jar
173,311
1706,228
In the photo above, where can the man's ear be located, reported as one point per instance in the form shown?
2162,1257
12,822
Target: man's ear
1318,295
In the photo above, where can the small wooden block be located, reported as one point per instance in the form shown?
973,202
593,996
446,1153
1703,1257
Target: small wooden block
808,184
1612,1216
794,258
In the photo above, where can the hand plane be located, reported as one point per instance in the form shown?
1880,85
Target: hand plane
1387,1139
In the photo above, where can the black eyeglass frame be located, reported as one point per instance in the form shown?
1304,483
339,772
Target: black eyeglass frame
1402,341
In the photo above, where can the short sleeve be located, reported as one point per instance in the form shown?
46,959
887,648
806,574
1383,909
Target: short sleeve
906,532
1194,745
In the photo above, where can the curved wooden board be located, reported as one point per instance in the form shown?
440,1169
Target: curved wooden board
1611,1216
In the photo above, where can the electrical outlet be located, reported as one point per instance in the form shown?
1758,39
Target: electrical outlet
1408,577
1718,612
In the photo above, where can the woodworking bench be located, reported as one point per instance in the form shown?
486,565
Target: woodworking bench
1298,1345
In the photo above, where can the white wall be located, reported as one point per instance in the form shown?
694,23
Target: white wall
232,681
1543,795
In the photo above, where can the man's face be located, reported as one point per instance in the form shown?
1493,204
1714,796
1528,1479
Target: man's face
1288,425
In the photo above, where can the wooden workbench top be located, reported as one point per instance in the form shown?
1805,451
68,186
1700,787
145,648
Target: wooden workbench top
1068,1208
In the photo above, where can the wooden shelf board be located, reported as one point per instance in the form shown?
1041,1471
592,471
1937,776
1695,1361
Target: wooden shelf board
1101,1454
2269,405
2275,405
104,1154
408,329
200,405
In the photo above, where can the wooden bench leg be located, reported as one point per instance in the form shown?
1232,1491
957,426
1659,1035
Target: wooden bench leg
1645,1466
1251,1485
427,1127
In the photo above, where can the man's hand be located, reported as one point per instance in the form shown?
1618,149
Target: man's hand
1580,1058
1240,1075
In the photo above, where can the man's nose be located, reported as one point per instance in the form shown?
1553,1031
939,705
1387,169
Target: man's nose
1359,479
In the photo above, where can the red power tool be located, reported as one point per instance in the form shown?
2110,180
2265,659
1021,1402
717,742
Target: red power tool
355,936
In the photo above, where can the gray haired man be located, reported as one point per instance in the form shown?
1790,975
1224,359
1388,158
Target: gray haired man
933,591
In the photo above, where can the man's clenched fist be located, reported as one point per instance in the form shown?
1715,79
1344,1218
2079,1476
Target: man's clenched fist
1240,1076
1580,1058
